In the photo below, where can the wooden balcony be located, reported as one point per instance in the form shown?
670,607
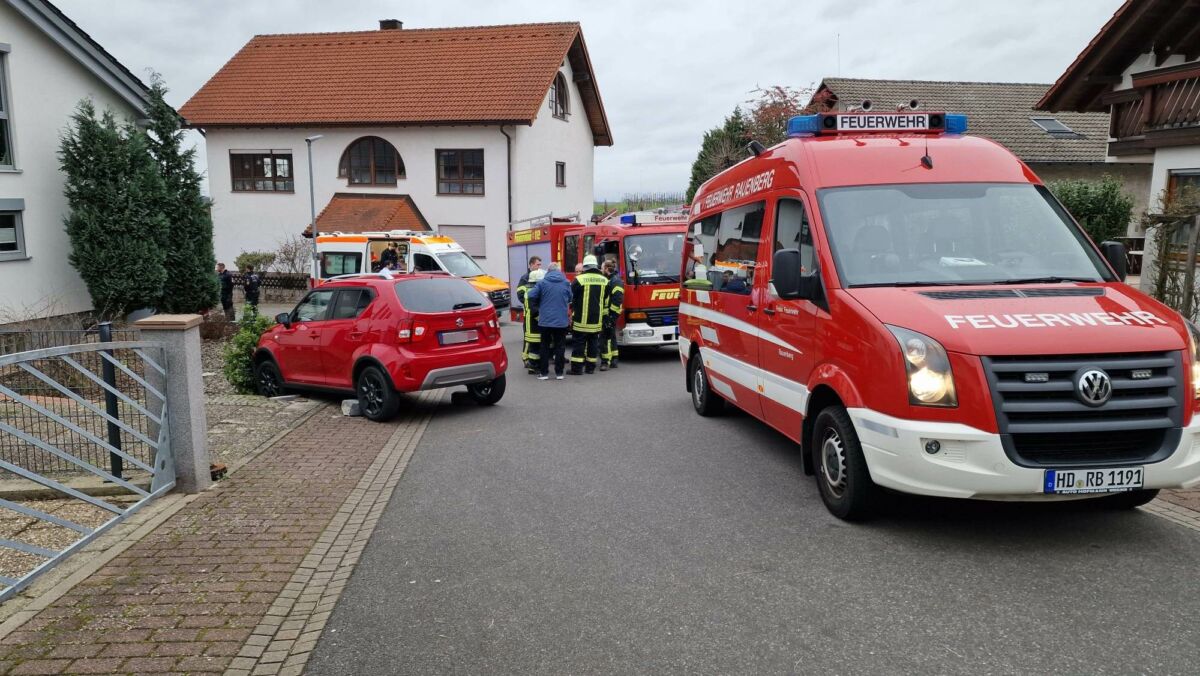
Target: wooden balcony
1161,110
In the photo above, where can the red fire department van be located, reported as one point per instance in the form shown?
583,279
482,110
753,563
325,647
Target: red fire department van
915,309
647,247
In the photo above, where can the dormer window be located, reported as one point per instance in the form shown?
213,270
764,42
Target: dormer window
1055,128
560,97
371,161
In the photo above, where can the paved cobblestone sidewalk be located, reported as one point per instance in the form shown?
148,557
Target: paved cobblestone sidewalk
257,561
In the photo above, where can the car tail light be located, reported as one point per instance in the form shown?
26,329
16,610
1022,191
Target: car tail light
410,331
491,330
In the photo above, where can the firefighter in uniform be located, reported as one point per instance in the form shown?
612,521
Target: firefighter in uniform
533,335
614,300
588,291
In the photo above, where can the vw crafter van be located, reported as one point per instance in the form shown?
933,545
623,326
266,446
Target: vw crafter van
915,309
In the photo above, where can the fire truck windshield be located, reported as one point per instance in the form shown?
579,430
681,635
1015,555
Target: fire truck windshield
658,258
954,234
460,264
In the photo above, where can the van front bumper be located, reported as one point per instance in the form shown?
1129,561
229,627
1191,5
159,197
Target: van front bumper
972,463
642,334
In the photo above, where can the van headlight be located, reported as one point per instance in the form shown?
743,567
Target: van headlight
930,381
1194,344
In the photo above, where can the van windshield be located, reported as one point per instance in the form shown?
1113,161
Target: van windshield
460,264
659,258
954,233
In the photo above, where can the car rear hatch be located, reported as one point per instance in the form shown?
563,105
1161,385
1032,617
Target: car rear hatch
446,314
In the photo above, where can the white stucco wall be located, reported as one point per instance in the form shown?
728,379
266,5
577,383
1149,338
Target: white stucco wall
537,147
44,85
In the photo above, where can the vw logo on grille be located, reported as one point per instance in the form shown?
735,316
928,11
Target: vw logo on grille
459,322
1094,387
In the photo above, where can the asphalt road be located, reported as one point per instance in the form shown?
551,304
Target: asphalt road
598,525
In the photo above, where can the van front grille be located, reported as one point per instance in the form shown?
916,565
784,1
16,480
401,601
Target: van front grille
1044,421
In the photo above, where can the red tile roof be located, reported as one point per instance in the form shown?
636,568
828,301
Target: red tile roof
482,74
364,212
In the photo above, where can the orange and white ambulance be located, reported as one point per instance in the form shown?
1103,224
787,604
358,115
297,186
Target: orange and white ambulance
915,309
361,252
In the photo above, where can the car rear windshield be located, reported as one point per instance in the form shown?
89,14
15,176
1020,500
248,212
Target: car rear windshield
439,295
954,233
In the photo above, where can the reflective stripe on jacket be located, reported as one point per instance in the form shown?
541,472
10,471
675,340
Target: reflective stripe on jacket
614,295
589,296
532,334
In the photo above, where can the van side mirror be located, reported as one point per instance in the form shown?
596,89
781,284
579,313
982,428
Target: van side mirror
284,318
788,278
1117,257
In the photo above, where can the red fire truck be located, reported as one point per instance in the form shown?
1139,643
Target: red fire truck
647,247
914,308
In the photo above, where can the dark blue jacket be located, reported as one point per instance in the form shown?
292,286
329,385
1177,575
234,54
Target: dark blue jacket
552,296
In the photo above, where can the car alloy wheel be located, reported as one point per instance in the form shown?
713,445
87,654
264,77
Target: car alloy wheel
269,381
371,393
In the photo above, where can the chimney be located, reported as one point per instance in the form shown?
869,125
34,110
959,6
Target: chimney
390,24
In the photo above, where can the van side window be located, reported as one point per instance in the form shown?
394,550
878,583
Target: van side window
792,231
570,253
334,263
729,242
425,263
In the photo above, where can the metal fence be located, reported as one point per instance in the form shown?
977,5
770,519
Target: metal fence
23,340
90,409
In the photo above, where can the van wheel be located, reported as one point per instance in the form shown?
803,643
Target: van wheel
842,476
268,379
706,402
377,399
487,394
1127,500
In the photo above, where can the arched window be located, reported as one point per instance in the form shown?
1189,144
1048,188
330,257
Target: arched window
371,161
560,97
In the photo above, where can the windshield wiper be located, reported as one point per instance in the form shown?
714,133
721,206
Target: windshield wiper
463,306
1051,279
903,284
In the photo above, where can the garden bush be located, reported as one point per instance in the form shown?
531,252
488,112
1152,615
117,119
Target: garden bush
239,353
1100,206
261,260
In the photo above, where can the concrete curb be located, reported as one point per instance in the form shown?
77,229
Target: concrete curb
285,638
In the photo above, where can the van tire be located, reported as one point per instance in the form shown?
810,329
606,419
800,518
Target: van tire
841,470
1127,500
487,394
706,402
377,399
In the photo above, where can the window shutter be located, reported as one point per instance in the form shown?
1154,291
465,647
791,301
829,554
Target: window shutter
471,237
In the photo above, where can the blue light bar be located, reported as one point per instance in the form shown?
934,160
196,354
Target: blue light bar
629,219
804,124
956,123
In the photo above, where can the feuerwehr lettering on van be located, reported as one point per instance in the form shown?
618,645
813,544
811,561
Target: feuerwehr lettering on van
749,186
1048,319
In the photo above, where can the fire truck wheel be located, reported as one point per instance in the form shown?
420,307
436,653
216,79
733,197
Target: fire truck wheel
1127,500
377,399
842,475
706,402
486,394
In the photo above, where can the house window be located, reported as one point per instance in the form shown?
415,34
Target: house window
371,161
12,236
6,144
560,97
560,174
460,172
1183,179
262,171
1054,127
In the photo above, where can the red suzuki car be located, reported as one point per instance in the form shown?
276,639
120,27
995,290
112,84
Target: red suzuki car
378,337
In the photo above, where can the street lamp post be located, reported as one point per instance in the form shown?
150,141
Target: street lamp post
312,199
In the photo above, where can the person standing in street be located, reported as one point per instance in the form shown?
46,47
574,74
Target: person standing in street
532,343
552,298
535,263
250,285
588,308
614,301
225,278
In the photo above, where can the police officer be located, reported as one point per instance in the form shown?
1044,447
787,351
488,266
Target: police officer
251,283
588,291
614,301
531,350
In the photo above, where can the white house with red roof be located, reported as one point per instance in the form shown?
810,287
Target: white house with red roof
477,127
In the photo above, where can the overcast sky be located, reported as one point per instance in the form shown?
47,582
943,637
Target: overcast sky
667,70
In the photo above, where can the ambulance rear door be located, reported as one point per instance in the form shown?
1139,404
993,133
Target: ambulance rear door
787,345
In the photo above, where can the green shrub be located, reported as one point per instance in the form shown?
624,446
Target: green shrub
261,260
239,353
1100,206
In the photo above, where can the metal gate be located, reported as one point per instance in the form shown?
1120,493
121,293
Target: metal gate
89,423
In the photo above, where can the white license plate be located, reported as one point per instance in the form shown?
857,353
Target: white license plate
459,337
1115,480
